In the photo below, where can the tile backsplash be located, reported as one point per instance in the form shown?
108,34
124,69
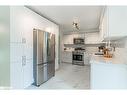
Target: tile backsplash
121,49
121,43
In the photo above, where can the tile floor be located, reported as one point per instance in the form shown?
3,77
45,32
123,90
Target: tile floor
68,77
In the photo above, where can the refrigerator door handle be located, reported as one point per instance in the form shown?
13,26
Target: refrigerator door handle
43,63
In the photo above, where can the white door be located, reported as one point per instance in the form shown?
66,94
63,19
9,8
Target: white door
27,67
16,65
28,59
21,65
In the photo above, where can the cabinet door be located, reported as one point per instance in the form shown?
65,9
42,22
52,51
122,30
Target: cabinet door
105,25
117,18
114,22
16,52
15,29
101,31
21,65
27,66
28,60
27,73
16,36
67,57
68,39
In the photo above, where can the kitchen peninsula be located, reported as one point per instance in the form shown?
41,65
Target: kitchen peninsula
108,73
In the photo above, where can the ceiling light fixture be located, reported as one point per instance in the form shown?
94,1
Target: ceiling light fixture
75,25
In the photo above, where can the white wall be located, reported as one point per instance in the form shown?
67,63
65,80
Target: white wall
23,20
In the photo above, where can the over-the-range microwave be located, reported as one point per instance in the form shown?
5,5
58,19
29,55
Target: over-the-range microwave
78,41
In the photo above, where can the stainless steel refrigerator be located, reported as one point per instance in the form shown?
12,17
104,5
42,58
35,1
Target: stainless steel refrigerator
43,56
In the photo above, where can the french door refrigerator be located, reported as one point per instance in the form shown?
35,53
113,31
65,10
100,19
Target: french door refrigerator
43,56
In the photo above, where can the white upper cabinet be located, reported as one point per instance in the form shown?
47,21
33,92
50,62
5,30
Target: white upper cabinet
104,26
114,23
68,38
92,38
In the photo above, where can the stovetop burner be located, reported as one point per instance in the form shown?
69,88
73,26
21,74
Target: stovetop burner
79,49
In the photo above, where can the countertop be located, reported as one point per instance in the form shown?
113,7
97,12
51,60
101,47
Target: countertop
68,51
99,59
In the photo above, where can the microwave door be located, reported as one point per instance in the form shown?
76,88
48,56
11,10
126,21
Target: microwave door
78,41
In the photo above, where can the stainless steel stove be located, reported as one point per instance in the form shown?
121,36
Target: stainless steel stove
78,57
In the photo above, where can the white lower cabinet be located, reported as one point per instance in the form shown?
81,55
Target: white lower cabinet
67,57
16,53
16,75
27,66
21,64
27,73
86,58
108,76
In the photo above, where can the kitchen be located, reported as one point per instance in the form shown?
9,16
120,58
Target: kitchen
107,69
88,49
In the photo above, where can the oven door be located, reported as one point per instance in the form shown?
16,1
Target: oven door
77,57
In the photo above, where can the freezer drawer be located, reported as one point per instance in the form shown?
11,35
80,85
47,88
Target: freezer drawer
50,69
41,74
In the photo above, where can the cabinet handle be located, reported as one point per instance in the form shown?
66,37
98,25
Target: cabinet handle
23,60
23,40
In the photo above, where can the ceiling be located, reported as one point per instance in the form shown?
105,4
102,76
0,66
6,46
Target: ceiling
88,16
